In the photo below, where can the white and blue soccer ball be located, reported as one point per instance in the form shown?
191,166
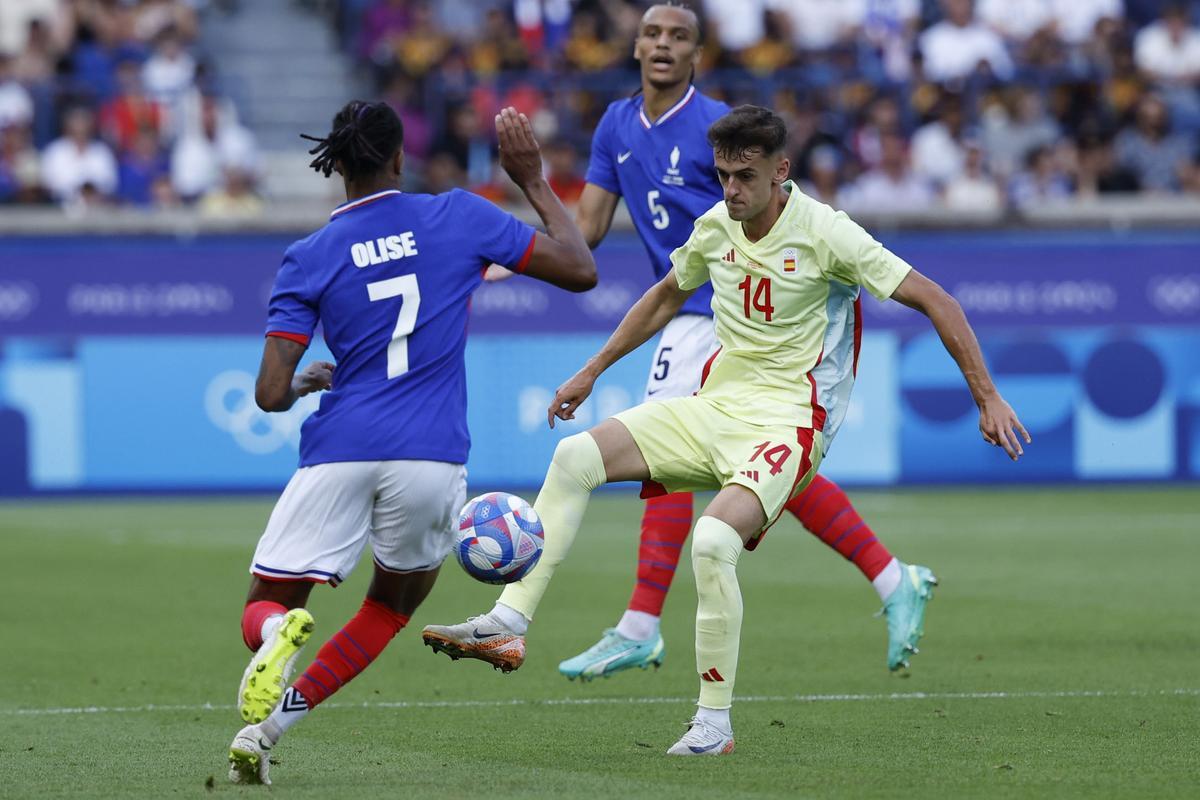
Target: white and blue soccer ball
499,538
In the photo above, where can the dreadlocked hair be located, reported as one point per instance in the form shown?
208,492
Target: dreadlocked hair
363,137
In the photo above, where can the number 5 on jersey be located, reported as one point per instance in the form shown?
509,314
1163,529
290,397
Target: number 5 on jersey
405,287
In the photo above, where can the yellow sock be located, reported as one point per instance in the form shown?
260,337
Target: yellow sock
577,470
715,551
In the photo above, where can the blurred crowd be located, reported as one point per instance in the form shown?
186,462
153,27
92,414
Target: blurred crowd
892,104
105,102
978,105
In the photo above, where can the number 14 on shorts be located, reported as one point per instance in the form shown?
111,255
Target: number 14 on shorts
774,454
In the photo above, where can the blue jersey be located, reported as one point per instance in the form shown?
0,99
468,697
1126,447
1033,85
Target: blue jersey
390,279
665,172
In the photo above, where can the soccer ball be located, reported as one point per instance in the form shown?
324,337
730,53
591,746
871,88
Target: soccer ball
499,538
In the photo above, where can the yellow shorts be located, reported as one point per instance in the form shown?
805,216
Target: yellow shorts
691,445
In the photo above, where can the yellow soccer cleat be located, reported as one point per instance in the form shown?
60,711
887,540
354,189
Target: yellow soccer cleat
270,669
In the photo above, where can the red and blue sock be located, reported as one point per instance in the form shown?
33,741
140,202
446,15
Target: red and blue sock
825,510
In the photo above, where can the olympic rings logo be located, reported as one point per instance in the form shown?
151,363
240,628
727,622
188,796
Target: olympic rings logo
17,300
229,403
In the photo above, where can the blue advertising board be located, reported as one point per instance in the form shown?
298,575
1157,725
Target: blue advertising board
128,364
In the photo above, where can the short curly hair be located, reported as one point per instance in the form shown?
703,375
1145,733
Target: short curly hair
747,131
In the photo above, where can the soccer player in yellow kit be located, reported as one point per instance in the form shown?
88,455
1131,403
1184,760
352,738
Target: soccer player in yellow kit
783,268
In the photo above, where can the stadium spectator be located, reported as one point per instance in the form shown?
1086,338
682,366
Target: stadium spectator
78,160
131,111
383,21
154,17
139,166
1169,50
1076,21
937,149
562,171
15,18
892,187
401,95
1016,20
1042,181
973,190
1159,159
442,174
824,175
1014,126
423,45
959,46
815,25
1097,171
465,18
234,199
20,171
889,28
498,48
586,49
735,25
883,117
202,152
170,71
16,105
35,64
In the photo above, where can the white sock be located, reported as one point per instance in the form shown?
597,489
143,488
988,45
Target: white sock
510,618
270,625
638,625
291,709
717,717
886,581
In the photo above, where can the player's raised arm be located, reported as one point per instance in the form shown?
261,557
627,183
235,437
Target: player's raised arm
997,421
560,256
278,386
648,316
594,215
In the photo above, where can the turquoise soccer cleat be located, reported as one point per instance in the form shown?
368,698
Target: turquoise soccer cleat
905,611
614,653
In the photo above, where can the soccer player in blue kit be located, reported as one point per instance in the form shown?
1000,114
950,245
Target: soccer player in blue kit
651,150
389,278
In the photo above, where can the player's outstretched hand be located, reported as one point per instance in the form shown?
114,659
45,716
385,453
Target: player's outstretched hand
570,396
999,425
316,377
519,152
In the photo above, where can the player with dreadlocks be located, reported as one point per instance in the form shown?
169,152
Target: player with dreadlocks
382,458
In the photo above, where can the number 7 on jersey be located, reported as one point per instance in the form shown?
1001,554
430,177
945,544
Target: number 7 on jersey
405,287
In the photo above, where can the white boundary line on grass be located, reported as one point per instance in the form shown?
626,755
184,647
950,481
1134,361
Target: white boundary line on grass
612,701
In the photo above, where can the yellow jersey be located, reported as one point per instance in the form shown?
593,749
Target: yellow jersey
786,310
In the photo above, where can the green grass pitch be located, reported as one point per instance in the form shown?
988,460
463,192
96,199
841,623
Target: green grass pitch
1061,659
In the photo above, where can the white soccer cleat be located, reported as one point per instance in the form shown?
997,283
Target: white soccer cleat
482,637
250,757
271,668
703,739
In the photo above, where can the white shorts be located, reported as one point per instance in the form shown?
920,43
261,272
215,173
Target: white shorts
408,509
685,346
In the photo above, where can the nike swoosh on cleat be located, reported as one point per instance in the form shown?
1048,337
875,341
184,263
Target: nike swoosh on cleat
479,635
704,749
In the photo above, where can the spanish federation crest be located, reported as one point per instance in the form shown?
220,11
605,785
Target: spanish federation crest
789,259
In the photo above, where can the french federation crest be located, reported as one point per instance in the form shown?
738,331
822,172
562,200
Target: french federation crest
673,178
